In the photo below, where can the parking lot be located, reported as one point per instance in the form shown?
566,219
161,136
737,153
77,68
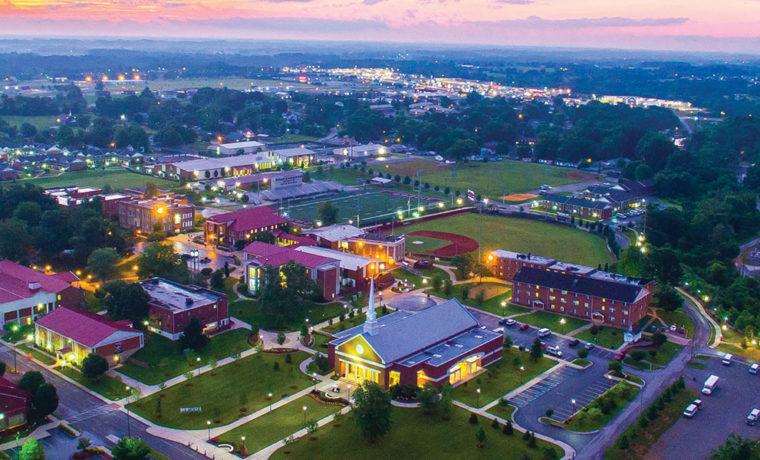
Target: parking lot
723,412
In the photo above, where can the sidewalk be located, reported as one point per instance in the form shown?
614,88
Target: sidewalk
715,326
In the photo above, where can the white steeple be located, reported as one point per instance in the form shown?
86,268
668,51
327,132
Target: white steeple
370,324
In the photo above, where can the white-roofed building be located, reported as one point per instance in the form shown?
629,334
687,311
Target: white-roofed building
355,271
361,151
238,148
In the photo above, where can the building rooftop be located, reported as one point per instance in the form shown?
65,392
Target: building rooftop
276,256
19,282
294,152
12,398
573,201
403,334
347,261
337,232
241,145
620,291
178,297
249,218
86,328
460,345
503,254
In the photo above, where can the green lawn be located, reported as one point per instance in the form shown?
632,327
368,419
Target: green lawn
552,321
415,435
345,176
165,362
492,179
118,179
41,122
37,354
607,337
679,318
250,311
320,342
501,377
496,297
591,417
278,424
419,244
664,354
107,386
226,393
640,440
416,280
504,411
523,235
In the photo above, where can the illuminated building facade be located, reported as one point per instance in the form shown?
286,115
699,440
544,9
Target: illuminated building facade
442,344
169,215
226,229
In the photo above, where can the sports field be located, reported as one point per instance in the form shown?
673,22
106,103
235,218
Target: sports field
370,206
41,122
521,235
492,179
118,179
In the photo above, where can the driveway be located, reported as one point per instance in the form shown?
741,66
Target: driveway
94,418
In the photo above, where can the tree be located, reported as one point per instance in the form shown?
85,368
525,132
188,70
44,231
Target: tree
130,449
583,353
666,297
2,368
372,411
102,262
737,448
126,301
14,240
659,339
615,366
31,381
192,336
327,213
94,366
44,401
536,350
480,436
31,450
217,280
427,396
160,260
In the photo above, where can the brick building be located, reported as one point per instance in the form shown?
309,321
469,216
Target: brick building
27,294
324,271
169,214
226,229
72,334
578,207
438,345
14,405
173,305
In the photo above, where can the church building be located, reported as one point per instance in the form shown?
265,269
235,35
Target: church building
440,344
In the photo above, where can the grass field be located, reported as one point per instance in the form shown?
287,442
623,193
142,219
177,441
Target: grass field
165,361
502,410
278,424
494,295
250,311
661,359
522,235
679,318
369,205
118,179
415,435
424,244
226,393
493,179
501,377
552,321
591,418
107,386
41,122
607,337
732,341
416,280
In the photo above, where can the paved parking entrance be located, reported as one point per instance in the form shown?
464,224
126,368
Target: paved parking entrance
566,410
545,385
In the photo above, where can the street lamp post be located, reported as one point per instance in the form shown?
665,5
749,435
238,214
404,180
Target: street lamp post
522,369
478,393
304,414
563,321
573,401
269,395
208,427
129,430
242,440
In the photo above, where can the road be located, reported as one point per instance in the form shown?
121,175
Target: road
94,418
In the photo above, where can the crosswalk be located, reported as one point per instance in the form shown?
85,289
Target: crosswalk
544,386
591,392
90,413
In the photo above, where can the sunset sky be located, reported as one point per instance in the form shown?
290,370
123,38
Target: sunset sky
697,25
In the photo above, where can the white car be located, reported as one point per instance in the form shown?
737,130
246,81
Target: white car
544,332
754,368
727,359
690,411
753,415
554,351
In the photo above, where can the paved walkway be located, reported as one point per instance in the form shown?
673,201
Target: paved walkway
713,324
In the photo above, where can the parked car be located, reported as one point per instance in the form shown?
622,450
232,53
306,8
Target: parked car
589,346
690,411
727,359
753,415
507,322
544,332
554,351
574,343
754,368
524,327
698,403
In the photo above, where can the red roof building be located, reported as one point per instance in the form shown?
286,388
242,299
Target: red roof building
72,334
241,225
26,294
14,405
323,270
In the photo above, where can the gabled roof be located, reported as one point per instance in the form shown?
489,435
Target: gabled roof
15,280
12,398
249,218
623,292
572,201
86,328
402,333
276,256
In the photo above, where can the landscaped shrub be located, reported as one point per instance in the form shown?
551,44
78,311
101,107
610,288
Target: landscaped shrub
495,424
473,419
508,428
404,392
